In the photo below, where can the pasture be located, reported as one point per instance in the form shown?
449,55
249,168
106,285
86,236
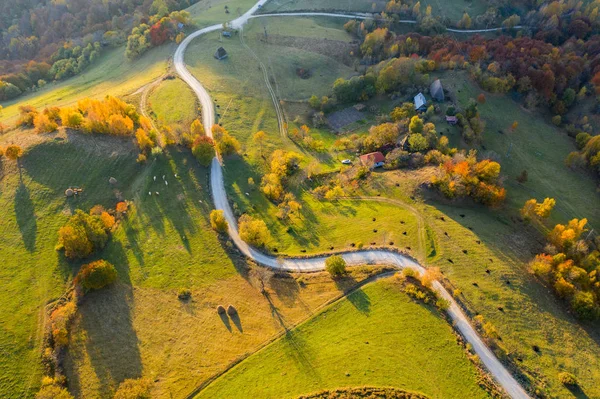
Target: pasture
377,336
172,102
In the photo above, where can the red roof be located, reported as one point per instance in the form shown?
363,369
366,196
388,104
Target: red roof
374,157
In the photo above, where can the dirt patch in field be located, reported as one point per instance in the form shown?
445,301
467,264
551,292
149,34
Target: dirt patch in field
339,50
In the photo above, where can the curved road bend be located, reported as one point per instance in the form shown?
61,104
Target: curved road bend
496,369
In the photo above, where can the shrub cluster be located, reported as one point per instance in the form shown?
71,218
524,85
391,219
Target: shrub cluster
283,164
83,234
96,275
572,266
464,176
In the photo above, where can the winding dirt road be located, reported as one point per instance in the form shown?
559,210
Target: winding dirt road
496,369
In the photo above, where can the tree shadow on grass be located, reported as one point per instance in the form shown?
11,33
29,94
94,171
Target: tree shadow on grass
357,297
577,392
106,316
25,214
296,348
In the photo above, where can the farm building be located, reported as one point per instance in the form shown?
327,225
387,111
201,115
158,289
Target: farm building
420,102
452,120
437,91
221,54
373,159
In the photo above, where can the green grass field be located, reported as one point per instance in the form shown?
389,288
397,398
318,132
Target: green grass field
377,336
173,102
316,45
33,273
536,146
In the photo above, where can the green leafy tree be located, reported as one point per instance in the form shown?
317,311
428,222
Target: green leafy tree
335,266
417,142
204,150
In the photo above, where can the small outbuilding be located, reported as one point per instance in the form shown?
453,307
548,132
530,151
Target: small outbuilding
221,54
373,159
420,102
437,91
452,120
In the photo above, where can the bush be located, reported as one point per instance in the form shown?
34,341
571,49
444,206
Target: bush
96,275
220,309
82,235
133,389
184,294
335,266
13,152
567,378
583,305
204,150
218,221
231,310
254,231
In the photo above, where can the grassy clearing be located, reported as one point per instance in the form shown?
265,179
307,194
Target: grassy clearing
309,43
323,5
536,146
210,12
377,336
173,102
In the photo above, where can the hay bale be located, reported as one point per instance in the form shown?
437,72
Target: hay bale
112,180
220,309
231,310
69,192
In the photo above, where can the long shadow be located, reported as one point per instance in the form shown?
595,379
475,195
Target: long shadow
286,288
106,317
297,349
237,321
25,214
577,392
225,320
357,297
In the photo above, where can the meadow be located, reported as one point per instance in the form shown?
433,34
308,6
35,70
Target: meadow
376,336
172,102
32,196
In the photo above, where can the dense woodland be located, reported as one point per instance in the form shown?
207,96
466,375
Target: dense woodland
42,41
